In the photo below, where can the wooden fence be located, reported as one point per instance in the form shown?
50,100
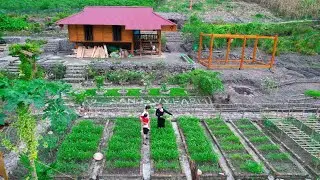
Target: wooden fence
241,63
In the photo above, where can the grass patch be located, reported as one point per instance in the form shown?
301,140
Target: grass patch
154,92
164,149
312,93
178,92
252,166
124,147
112,92
198,144
268,147
78,147
278,156
262,139
133,92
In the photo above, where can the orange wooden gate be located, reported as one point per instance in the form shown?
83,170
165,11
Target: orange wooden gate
236,63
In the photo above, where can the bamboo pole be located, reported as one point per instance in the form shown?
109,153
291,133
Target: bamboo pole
211,50
242,53
228,50
274,51
255,50
200,47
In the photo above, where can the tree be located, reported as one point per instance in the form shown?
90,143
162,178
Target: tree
22,96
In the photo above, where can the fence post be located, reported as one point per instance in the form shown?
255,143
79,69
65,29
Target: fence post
3,172
211,49
243,51
255,49
274,50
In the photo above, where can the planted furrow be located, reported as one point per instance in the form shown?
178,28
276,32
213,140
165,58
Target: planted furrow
123,153
164,149
77,149
279,160
198,146
238,158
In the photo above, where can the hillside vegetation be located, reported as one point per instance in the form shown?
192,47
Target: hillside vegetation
292,8
293,37
51,6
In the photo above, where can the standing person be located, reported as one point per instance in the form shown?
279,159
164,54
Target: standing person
145,120
159,113
145,127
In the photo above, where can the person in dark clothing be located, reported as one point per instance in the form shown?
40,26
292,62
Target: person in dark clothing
159,113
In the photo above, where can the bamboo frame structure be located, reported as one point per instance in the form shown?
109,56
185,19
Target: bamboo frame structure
241,63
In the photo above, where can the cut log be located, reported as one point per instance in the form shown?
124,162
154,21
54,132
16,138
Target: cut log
79,51
106,51
94,51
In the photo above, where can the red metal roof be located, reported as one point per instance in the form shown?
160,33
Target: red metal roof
133,18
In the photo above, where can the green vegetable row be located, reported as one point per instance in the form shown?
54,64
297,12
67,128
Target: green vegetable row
240,159
271,152
199,146
78,148
124,147
164,149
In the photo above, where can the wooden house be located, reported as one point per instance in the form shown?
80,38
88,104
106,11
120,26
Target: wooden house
118,25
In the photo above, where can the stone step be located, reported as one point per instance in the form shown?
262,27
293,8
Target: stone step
68,71
74,75
74,80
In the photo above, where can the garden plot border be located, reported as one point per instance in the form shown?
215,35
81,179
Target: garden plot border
109,176
229,164
276,173
293,148
177,176
206,176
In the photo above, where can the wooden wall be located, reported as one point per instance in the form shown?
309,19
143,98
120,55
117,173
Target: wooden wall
169,28
100,34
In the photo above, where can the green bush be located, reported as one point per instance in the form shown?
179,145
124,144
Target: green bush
312,93
293,37
205,82
8,23
132,77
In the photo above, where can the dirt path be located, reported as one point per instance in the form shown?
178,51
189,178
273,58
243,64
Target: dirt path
183,156
146,162
97,167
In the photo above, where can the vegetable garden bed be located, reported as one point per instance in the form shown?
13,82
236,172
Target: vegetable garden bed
298,144
77,149
123,152
275,158
164,152
198,147
237,157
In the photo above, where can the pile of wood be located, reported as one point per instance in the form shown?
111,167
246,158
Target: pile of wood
95,52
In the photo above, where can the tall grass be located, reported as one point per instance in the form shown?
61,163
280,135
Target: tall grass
292,8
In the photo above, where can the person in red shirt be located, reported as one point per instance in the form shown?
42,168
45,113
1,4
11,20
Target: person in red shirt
145,126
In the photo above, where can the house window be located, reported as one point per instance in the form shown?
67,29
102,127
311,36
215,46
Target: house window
88,35
116,33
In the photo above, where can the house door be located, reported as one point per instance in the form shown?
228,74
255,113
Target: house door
116,30
88,34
